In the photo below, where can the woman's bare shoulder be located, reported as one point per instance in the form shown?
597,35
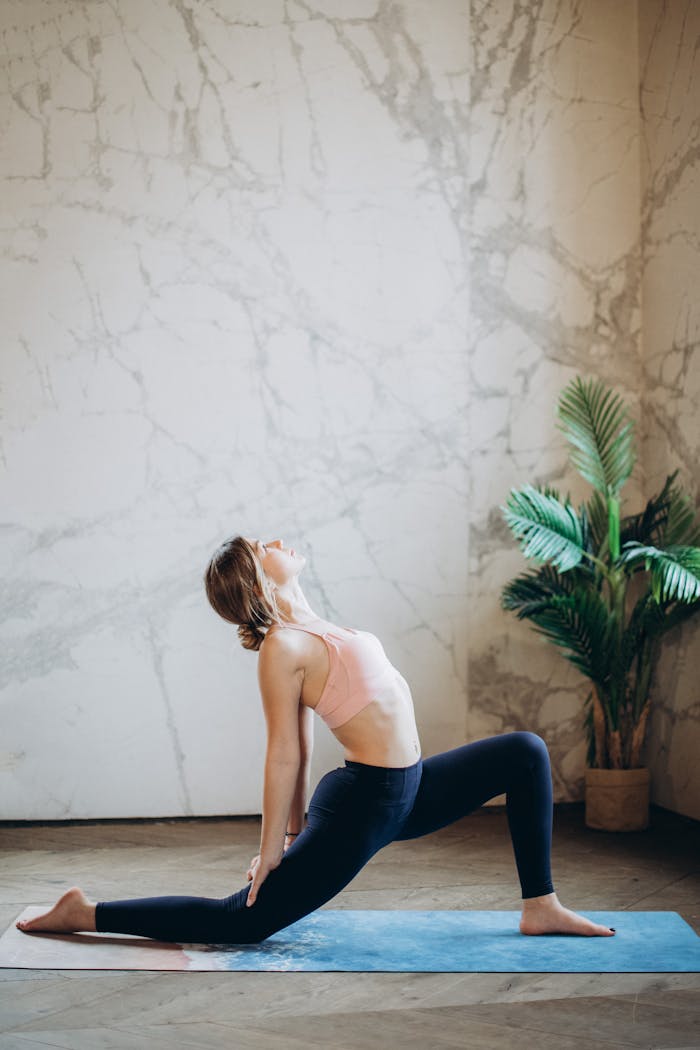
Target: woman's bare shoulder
279,641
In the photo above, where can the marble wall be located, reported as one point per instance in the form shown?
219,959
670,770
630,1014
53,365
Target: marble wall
235,300
584,188
669,60
555,292
317,271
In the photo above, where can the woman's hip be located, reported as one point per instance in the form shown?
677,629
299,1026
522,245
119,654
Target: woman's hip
358,793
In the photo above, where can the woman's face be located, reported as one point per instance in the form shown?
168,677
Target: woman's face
280,564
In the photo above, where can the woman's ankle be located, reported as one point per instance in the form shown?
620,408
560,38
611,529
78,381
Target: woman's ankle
88,919
538,902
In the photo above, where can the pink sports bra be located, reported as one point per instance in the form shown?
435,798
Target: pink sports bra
358,667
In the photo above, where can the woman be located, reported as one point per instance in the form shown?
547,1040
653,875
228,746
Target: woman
385,791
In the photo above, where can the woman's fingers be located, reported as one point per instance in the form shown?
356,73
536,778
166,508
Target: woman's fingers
252,892
262,870
254,876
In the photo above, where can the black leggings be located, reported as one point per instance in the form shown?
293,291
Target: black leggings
354,811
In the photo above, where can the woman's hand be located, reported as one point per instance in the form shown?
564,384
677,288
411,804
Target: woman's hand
253,865
256,860
258,871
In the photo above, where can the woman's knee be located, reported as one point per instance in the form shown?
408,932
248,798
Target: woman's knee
532,745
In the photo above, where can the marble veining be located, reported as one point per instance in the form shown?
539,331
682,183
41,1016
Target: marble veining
583,141
234,257
320,271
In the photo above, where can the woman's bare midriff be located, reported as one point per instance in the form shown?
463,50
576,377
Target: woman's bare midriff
382,734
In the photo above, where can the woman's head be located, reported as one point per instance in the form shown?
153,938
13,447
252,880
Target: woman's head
242,580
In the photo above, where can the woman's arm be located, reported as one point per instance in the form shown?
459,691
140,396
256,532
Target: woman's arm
275,777
280,678
301,790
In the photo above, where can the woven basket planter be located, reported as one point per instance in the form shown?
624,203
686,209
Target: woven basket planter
617,799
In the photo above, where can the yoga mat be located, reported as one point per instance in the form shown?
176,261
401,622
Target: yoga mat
387,941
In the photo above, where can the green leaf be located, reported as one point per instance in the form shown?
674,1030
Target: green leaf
675,572
533,591
680,528
668,518
646,527
598,517
594,420
547,529
647,620
581,625
650,620
572,616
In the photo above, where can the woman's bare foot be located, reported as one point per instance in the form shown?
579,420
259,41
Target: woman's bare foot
72,912
547,915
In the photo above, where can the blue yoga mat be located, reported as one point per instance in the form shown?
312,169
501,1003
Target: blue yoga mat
465,941
401,941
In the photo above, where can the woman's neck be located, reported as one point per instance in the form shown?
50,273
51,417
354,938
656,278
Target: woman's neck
295,608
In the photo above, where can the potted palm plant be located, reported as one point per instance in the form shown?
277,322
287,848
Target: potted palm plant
606,589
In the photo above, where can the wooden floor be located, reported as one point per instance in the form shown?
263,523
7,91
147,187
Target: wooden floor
468,865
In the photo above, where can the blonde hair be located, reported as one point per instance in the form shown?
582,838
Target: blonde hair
240,592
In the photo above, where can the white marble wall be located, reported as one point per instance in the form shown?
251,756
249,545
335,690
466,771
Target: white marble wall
317,271
554,292
234,300
669,59
575,247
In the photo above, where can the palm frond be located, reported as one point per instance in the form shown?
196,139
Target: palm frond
647,620
597,510
584,522
594,420
651,619
681,528
547,529
675,571
580,624
645,527
533,591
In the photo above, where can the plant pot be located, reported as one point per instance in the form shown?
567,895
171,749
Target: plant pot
617,799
